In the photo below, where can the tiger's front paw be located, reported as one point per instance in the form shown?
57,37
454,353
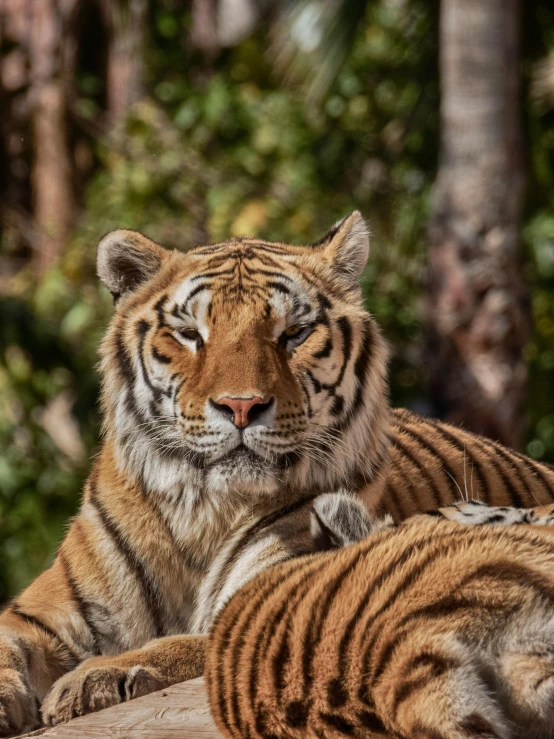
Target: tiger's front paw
90,688
19,711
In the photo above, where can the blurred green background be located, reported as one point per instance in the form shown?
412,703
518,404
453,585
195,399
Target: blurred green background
218,146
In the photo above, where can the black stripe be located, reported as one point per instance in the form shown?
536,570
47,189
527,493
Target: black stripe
280,288
450,474
270,249
126,369
317,620
395,442
324,302
193,293
405,690
315,382
246,539
292,605
325,351
346,330
84,607
240,639
209,275
363,359
361,368
134,563
338,405
424,732
338,722
227,640
510,572
159,308
266,273
289,604
371,721
465,449
515,498
39,624
354,622
438,663
320,611
163,358
447,606
142,329
296,714
508,458
333,231
538,469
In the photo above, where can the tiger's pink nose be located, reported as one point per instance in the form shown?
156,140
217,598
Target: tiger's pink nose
242,409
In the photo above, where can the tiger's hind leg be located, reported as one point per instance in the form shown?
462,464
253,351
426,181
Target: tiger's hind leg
527,672
440,690
530,686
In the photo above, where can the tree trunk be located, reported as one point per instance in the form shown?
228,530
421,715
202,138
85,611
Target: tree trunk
477,304
51,52
125,72
51,175
203,32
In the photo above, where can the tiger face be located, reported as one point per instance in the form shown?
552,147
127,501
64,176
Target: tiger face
244,366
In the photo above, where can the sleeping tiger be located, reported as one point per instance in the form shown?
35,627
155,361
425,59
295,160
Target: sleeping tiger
240,381
425,631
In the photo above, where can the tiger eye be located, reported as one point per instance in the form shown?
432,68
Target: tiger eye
190,333
292,331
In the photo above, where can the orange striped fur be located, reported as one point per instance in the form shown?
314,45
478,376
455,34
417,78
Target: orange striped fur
427,631
184,505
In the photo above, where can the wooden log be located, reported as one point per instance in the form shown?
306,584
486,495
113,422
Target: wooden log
179,712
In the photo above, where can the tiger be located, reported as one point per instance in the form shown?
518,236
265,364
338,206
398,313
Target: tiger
240,381
423,630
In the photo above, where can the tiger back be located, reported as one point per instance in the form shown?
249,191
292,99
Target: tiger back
431,629
433,463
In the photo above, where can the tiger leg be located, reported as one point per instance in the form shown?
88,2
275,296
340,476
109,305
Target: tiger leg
42,636
527,672
474,513
439,688
100,682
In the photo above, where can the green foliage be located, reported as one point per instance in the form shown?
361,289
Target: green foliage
48,338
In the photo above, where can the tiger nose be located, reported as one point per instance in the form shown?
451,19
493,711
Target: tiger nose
241,408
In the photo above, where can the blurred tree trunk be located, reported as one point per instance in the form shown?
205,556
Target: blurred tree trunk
51,175
477,303
51,53
126,20
203,32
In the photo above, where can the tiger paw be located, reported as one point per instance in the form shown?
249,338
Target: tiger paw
18,707
474,513
91,688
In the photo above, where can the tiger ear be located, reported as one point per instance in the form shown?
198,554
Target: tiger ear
346,247
126,259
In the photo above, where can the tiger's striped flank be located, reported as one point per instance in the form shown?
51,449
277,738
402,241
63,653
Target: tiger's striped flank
429,629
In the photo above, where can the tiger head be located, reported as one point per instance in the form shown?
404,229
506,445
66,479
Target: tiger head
243,367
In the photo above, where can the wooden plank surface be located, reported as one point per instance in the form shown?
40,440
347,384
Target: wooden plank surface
179,712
